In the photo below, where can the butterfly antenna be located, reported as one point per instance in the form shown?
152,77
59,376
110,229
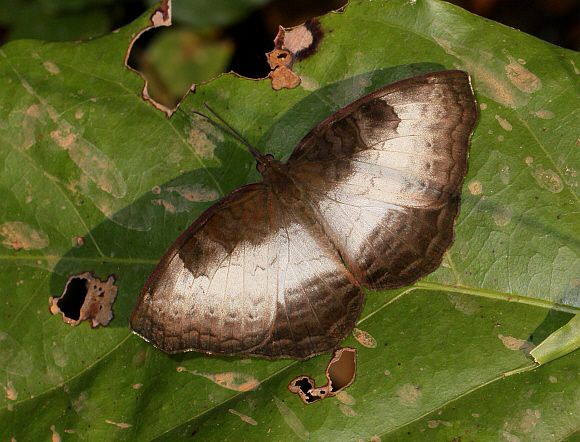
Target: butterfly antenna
231,132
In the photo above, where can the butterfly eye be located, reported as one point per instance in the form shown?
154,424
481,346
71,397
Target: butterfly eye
261,165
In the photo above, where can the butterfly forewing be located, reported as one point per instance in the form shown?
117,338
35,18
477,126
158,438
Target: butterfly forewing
385,176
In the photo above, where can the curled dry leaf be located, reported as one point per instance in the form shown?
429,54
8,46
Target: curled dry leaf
341,373
86,297
292,45
281,75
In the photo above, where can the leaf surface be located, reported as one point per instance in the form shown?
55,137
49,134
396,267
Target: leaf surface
84,156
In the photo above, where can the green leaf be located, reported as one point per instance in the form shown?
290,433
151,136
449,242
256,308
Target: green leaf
176,58
84,156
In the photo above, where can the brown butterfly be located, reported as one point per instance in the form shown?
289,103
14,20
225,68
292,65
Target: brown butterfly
369,198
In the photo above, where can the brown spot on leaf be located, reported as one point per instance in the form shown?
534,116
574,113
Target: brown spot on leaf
55,436
409,395
475,187
341,373
168,206
86,297
364,338
502,216
20,236
515,344
291,419
345,398
202,138
544,114
521,78
504,123
547,179
118,424
11,393
180,198
231,380
243,417
95,164
51,67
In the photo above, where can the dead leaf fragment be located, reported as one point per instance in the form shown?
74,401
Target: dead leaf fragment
341,373
282,76
86,297
292,45
300,41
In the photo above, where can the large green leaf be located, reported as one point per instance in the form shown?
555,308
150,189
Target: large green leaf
84,156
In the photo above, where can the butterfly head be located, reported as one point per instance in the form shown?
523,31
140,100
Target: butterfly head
265,162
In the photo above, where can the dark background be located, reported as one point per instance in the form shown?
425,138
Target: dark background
555,21
242,34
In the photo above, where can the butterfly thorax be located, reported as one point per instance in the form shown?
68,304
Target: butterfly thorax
278,178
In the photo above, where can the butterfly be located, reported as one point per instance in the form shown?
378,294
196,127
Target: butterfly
369,198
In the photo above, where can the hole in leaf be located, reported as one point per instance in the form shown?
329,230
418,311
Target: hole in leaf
73,298
341,373
86,297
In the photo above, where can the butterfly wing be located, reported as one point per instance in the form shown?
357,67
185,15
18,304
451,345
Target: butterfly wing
385,176
250,276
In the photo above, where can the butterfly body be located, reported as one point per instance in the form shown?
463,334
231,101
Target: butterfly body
279,180
369,198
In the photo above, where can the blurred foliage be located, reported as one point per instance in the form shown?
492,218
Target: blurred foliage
216,36
172,59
